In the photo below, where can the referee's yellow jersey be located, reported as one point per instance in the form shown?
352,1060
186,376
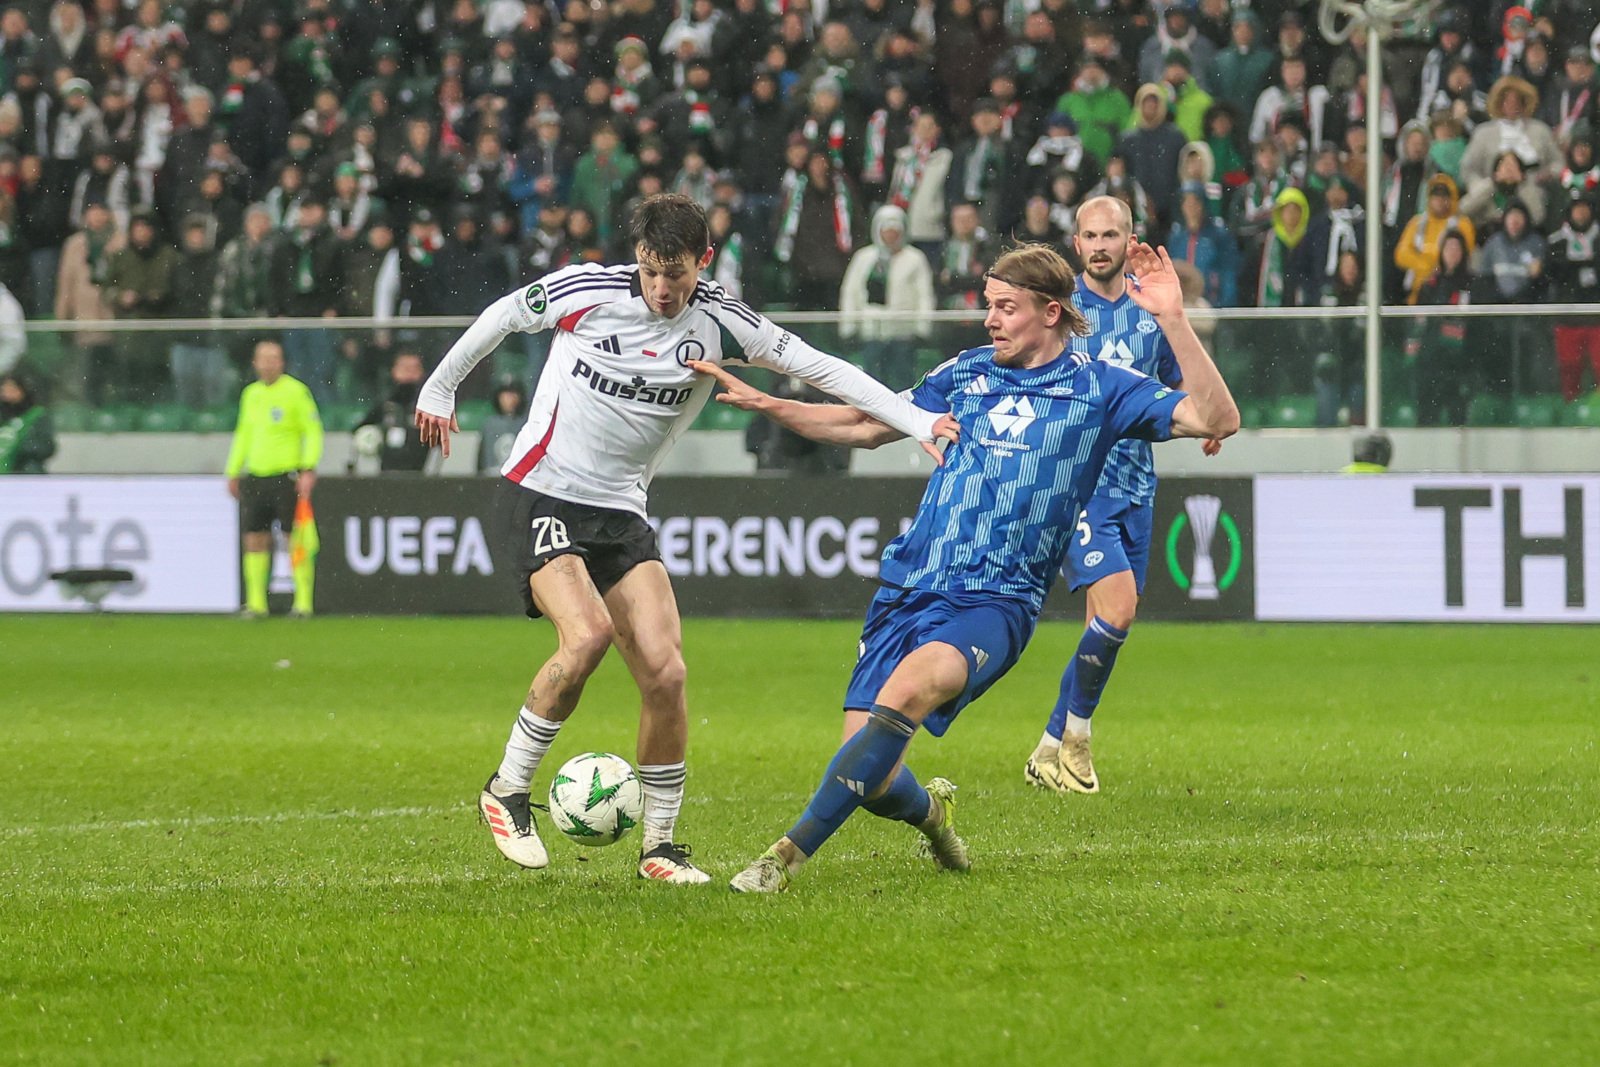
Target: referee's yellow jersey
279,430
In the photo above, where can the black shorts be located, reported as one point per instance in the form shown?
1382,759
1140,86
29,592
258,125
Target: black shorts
539,528
264,501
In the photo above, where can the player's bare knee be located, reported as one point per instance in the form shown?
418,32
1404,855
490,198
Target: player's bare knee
586,640
1119,615
930,676
665,682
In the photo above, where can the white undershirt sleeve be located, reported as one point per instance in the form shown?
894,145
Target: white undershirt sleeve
499,320
849,383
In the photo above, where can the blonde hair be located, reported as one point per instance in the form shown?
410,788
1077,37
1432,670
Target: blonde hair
1046,274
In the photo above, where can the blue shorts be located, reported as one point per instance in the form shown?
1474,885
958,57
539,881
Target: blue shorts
1112,536
990,631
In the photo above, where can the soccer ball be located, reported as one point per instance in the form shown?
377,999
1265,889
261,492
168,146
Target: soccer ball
595,798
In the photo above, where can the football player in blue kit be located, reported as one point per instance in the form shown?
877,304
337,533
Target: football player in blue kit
962,588
1111,546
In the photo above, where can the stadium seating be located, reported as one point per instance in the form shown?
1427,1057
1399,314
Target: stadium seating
1486,411
115,418
1292,412
71,418
1401,413
471,413
1584,411
342,418
1532,412
722,417
165,418
214,420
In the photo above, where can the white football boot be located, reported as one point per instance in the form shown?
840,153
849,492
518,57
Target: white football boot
668,862
510,819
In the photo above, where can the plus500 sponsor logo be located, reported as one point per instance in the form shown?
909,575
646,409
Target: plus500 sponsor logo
768,547
635,389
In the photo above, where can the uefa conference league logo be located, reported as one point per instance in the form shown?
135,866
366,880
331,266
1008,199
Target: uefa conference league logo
1203,514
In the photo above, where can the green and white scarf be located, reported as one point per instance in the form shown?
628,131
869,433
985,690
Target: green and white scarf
842,210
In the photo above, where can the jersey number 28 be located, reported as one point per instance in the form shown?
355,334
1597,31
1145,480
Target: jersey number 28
549,535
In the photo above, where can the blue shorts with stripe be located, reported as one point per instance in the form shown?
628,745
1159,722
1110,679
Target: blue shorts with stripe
1113,535
991,632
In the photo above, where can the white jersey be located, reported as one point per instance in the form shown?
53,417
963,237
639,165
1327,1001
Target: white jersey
616,391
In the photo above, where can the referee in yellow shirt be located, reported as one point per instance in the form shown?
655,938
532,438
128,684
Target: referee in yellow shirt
276,447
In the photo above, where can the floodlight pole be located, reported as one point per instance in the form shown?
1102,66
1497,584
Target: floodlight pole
1336,20
1374,200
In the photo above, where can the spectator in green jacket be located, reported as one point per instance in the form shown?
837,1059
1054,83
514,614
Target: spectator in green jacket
1100,109
1187,102
601,176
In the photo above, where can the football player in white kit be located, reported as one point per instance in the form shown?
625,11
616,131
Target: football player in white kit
614,395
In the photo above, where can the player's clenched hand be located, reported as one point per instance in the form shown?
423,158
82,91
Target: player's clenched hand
436,430
739,393
1154,285
1211,446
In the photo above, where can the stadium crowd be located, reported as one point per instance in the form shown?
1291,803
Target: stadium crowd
395,158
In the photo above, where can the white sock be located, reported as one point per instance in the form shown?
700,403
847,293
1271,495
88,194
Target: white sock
1048,743
531,738
1077,726
663,796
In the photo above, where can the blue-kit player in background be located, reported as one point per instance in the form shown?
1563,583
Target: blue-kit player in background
962,588
1111,545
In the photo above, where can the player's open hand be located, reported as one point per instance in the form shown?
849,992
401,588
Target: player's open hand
945,428
1154,285
736,391
436,430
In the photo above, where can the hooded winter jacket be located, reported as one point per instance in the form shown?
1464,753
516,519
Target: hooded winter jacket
1417,252
886,293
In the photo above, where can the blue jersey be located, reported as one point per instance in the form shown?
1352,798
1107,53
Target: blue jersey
997,517
1129,336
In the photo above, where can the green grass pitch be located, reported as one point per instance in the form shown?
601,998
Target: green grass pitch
224,843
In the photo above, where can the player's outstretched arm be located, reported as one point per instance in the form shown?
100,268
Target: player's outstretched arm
1209,409
829,424
790,354
436,404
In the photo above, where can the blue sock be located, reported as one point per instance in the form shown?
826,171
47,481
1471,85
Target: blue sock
904,801
859,767
1058,715
1086,676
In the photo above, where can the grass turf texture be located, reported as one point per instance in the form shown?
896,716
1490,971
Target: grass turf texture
1316,845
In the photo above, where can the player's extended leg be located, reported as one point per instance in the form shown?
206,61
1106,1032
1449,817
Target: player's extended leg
906,800
1062,761
649,636
563,591
867,769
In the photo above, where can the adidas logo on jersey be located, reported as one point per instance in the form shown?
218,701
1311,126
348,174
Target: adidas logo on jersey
979,656
610,344
1012,416
979,386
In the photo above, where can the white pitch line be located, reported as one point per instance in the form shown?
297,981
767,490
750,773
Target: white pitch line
232,883
195,822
